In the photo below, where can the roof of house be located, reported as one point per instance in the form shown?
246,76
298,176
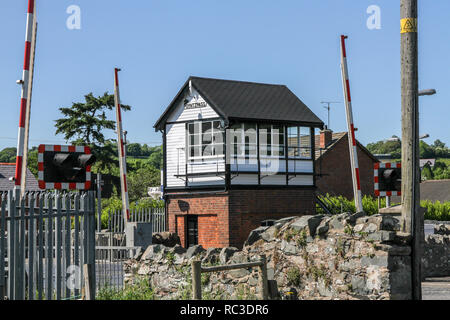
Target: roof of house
433,190
249,101
431,162
335,138
7,170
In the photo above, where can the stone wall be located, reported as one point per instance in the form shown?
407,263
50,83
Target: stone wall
315,257
436,255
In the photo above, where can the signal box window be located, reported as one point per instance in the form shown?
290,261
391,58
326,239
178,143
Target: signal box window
271,141
299,142
205,140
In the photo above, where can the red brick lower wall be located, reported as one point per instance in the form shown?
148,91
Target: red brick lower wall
212,212
248,208
226,219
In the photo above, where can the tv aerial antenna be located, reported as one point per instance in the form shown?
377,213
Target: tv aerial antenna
328,107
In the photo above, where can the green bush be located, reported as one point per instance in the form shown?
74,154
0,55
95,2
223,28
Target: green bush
114,204
435,211
141,290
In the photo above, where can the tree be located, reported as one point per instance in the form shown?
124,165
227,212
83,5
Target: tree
140,180
134,149
441,171
146,150
156,158
425,150
8,155
32,162
440,149
438,144
394,148
84,124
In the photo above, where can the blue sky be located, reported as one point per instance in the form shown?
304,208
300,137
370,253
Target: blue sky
160,43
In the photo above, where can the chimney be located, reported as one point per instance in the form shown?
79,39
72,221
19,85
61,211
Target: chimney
326,136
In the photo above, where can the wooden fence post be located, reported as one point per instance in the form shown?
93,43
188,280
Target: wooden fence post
89,281
264,283
196,279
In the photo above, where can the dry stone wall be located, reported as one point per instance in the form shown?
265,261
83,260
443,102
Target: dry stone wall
436,255
310,257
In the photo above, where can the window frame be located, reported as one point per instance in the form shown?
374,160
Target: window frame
241,149
200,143
281,137
298,154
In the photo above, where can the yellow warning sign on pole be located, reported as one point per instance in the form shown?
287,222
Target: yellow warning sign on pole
408,25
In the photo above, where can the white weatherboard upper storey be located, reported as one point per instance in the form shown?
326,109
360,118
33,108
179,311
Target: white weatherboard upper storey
175,161
183,114
176,142
176,154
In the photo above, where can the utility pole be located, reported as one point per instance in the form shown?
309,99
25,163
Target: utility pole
121,149
99,202
411,214
328,103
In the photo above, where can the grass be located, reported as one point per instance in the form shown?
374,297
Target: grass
141,290
294,276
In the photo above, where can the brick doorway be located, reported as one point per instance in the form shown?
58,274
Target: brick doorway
191,230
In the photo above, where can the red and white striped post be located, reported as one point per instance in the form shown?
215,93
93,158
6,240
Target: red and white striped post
24,98
120,146
351,128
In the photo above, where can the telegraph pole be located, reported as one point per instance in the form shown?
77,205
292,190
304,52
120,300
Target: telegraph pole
121,149
410,138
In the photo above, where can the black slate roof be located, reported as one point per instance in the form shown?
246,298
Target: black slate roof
248,101
7,171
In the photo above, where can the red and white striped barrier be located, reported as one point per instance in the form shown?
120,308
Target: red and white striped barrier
351,128
122,159
386,165
23,100
62,185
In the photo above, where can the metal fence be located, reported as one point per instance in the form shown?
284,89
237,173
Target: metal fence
157,216
111,250
45,239
114,236
109,265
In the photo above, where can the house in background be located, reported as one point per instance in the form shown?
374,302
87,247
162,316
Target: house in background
424,162
235,154
7,171
383,158
332,161
432,190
